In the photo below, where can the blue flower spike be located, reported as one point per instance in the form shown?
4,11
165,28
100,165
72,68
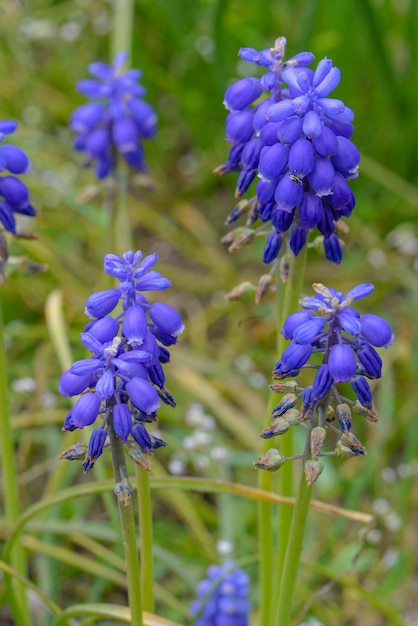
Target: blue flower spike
116,121
123,382
222,597
14,195
338,344
288,133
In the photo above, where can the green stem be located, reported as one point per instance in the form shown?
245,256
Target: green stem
126,514
291,303
16,594
146,538
294,543
123,20
271,555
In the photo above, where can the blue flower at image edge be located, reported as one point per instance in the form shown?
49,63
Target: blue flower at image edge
116,121
123,381
222,597
14,195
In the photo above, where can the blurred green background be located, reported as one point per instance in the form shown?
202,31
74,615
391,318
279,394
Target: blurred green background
188,54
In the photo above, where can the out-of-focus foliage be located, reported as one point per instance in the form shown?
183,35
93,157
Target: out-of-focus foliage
188,54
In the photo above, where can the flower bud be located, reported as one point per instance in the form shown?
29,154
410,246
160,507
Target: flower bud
284,387
313,469
124,491
350,441
85,410
140,458
75,452
342,451
263,287
369,414
243,291
344,417
271,461
317,438
287,402
279,426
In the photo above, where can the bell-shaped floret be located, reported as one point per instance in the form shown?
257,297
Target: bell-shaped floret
95,449
342,363
105,387
308,331
322,383
376,330
122,421
72,384
104,329
321,177
310,210
166,318
370,360
273,161
301,158
288,193
242,93
333,250
86,117
13,159
85,410
134,325
272,247
102,303
363,392
294,357
142,438
143,395
239,126
294,321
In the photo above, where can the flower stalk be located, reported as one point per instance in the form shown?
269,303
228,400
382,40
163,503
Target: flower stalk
126,513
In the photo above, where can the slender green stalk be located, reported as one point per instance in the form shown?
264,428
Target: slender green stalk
272,551
123,19
294,549
291,301
145,538
127,520
16,594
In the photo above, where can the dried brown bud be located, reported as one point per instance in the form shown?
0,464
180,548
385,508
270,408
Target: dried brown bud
278,426
284,268
369,414
263,287
317,438
288,386
342,451
244,291
287,402
272,460
350,441
293,416
313,470
239,209
76,452
238,238
343,414
140,458
124,491
252,212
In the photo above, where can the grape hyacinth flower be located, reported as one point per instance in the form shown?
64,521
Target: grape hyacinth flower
340,345
285,130
123,382
117,119
222,597
14,195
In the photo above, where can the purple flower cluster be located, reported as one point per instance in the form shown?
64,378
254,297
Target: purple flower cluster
296,140
222,597
116,121
328,325
342,345
14,195
123,380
